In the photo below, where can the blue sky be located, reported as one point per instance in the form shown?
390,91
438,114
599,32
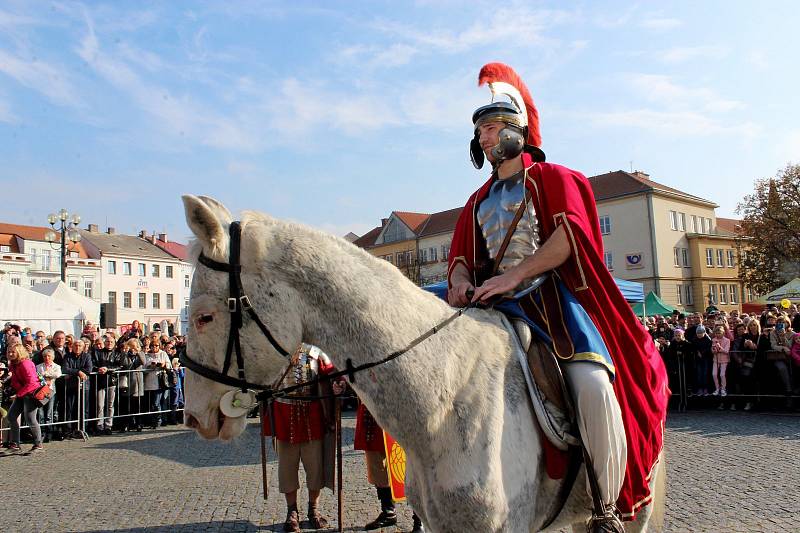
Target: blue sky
336,113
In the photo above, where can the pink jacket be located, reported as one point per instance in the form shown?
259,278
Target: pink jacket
24,378
795,353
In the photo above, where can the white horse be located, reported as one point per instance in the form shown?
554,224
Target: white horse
457,403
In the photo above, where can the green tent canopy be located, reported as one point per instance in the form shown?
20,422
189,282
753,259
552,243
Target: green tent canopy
652,306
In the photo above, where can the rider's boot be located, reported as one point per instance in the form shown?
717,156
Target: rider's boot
610,522
418,527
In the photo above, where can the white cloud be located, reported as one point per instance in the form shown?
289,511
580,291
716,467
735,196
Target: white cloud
788,149
44,78
660,23
680,54
673,123
663,90
5,113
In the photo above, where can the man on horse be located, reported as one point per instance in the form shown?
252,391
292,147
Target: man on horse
530,235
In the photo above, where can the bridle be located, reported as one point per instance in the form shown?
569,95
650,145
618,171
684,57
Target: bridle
238,305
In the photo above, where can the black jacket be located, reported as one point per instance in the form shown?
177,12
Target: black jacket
112,360
72,365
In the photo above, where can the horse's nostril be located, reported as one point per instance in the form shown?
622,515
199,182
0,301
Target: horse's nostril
191,422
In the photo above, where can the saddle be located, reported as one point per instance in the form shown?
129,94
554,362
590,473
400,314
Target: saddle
546,387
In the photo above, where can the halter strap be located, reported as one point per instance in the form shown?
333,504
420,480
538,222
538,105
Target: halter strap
238,304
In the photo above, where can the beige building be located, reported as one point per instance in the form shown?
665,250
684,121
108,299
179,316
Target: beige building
658,236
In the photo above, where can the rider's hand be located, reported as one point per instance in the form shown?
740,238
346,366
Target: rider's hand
457,294
339,387
497,286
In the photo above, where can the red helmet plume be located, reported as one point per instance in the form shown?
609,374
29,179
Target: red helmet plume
497,75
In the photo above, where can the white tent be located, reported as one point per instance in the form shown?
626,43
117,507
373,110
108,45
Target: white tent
60,291
28,308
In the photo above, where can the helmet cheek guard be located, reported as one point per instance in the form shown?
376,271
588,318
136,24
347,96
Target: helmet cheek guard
509,145
476,153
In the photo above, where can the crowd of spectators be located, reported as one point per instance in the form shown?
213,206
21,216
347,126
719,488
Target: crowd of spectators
742,360
128,382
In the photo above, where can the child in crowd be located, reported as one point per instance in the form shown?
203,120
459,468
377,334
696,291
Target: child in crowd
720,347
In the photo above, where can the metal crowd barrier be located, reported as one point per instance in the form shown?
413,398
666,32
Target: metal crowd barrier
86,403
754,380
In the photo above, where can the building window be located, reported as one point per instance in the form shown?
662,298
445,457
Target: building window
680,294
713,290
676,256
720,258
156,271
5,248
112,297
74,254
681,221
142,270
605,225
709,257
706,225
156,300
734,294
33,282
170,301
186,280
693,224
685,257
142,300
423,256
73,284
168,271
46,260
609,260
15,280
673,220
689,295
731,263
88,288
432,252
33,256
126,300
126,268
723,294
112,267
445,251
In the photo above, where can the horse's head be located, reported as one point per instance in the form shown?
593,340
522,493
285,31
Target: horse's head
210,318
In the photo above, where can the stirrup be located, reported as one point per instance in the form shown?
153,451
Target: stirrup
385,519
610,522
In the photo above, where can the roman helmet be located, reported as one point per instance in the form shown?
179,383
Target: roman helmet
512,105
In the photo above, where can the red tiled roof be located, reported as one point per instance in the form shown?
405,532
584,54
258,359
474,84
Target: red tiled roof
441,222
368,239
35,233
175,249
412,220
728,224
620,183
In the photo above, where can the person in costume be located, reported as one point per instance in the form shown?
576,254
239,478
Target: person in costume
369,438
530,236
304,432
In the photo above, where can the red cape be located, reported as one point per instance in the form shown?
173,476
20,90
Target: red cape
564,197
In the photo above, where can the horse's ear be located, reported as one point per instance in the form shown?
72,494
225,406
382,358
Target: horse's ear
222,212
203,221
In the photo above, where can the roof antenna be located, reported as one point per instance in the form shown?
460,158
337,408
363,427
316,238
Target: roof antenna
631,162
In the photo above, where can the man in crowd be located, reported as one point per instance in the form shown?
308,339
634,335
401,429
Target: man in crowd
105,362
76,368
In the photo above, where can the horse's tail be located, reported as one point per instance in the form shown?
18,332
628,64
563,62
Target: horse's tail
656,522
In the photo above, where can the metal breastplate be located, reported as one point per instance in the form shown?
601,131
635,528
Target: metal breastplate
306,369
495,214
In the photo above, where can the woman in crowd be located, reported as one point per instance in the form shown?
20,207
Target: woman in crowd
702,346
24,381
778,353
155,362
720,348
51,372
131,385
743,356
679,355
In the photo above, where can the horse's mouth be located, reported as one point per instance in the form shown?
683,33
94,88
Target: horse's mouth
222,427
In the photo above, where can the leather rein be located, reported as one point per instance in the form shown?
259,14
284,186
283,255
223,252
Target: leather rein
239,305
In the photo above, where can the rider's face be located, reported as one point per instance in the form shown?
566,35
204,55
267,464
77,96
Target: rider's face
489,136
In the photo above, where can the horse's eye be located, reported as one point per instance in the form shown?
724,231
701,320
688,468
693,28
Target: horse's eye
202,320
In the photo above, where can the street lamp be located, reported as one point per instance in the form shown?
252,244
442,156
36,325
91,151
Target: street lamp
61,223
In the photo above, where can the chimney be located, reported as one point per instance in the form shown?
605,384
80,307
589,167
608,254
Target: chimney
143,234
643,175
162,237
383,222
93,228
111,231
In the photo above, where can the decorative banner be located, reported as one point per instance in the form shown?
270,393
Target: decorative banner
634,260
396,466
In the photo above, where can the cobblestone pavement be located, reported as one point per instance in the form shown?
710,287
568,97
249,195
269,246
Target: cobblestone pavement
726,472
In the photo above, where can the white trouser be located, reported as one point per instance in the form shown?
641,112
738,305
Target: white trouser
600,424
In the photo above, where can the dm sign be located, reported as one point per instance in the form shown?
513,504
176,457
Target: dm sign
634,260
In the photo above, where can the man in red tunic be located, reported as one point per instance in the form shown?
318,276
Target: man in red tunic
302,428
551,272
